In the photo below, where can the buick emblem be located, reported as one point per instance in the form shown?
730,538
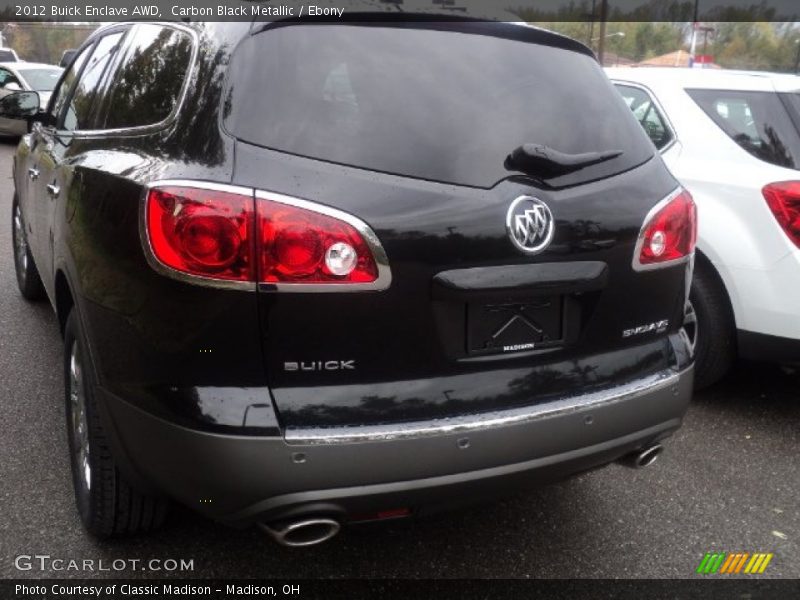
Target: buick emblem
530,224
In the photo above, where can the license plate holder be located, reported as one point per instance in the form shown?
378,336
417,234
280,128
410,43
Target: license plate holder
515,326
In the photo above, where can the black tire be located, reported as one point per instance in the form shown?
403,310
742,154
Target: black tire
715,347
108,506
28,280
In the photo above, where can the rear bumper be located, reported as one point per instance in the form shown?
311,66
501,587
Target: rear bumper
422,466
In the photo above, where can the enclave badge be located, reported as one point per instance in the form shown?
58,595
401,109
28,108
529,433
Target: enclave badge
530,224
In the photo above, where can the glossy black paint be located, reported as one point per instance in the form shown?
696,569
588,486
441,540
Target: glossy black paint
396,100
408,336
520,280
214,359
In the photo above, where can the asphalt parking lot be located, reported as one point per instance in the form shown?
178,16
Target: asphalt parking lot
729,481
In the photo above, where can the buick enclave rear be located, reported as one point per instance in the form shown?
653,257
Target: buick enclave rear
311,274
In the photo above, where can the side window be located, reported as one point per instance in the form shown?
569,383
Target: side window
80,114
757,121
146,87
648,115
7,77
738,115
63,90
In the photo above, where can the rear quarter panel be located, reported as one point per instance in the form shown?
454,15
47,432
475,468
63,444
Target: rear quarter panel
154,339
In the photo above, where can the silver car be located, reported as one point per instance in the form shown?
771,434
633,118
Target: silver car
29,76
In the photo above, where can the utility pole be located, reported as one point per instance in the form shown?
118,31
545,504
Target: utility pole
601,43
693,46
797,60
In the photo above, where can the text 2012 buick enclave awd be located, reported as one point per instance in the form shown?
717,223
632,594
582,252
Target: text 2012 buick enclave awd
311,273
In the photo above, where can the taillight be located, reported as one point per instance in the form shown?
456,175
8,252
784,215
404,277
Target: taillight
302,245
234,238
202,232
669,233
783,200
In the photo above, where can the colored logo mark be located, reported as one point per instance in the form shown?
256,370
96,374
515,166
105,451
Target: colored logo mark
732,563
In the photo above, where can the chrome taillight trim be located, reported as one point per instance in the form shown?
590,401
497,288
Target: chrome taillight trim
167,271
637,251
383,281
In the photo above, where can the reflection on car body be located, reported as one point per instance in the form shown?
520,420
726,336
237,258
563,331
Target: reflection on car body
281,259
18,76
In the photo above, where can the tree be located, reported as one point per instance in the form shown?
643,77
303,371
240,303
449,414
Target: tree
753,45
44,42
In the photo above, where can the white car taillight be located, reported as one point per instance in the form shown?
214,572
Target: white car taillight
783,200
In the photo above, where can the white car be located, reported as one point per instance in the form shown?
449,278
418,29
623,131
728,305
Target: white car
733,140
8,55
26,76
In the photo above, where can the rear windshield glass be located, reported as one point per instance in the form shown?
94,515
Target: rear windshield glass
439,105
757,121
792,100
41,80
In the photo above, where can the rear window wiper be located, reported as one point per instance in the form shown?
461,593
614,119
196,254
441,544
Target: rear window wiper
545,162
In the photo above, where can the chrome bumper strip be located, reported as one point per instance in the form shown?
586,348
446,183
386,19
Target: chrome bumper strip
482,421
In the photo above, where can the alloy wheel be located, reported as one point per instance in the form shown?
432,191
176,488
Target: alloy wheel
20,245
690,325
78,419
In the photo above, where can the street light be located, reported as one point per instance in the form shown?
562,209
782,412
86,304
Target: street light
601,55
620,34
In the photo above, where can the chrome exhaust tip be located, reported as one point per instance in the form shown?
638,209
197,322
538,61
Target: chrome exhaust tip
303,532
642,458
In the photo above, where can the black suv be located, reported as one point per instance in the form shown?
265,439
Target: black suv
310,273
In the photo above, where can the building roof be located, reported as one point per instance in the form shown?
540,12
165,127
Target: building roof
611,59
679,58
